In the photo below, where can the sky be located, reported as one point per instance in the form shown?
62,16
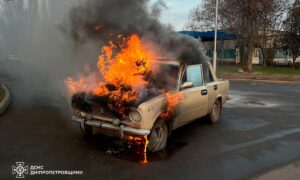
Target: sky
177,12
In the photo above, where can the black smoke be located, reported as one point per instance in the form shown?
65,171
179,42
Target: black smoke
103,20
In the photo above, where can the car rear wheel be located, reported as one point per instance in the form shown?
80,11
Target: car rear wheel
158,136
215,112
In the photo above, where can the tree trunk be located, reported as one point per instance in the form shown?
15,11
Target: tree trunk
248,67
264,57
243,54
294,62
264,46
249,59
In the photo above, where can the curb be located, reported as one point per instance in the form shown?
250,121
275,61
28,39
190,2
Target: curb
266,81
6,101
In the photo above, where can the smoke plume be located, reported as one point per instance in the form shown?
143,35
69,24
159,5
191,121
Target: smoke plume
55,39
102,20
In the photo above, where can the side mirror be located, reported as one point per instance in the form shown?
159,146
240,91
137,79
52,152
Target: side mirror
186,85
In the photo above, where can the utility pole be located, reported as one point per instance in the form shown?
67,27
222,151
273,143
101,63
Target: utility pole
215,40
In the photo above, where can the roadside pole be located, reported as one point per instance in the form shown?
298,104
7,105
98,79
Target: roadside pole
215,38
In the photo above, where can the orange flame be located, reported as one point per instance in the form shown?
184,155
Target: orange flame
173,99
128,66
145,161
124,66
140,141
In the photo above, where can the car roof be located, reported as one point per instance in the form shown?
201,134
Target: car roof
168,62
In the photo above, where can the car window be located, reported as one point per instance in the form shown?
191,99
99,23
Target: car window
164,77
210,77
194,75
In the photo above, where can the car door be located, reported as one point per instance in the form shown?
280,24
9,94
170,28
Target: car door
212,87
194,103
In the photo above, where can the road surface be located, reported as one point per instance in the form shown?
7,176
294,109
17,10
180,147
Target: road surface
259,131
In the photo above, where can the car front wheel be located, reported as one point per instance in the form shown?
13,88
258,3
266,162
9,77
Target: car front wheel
158,136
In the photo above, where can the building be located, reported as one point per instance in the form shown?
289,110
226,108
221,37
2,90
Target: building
228,51
226,44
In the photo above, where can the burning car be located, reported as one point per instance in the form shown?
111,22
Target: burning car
142,98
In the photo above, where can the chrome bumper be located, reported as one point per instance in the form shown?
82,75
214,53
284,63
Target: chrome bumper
83,122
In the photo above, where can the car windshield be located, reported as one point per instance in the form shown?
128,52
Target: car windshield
165,77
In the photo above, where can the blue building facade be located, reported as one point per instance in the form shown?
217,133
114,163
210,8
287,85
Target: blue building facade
226,43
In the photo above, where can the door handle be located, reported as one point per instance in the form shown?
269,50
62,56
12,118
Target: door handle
215,87
204,92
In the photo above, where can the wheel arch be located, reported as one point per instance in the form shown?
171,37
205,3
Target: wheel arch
220,98
169,122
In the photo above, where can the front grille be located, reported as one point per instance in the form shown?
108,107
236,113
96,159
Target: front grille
105,115
99,111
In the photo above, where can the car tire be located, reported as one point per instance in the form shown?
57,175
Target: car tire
215,112
86,131
158,137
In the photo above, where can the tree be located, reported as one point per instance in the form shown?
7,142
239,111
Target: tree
291,37
270,31
244,17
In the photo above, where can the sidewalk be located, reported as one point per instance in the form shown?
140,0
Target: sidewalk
257,77
288,172
5,99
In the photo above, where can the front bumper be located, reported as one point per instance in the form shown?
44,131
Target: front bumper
120,128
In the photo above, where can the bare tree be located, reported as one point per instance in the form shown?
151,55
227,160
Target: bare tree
291,37
202,17
270,31
244,17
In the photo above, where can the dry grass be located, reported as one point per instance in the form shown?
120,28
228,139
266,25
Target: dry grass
279,70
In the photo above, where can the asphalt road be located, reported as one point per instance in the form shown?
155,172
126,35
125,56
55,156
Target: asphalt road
259,131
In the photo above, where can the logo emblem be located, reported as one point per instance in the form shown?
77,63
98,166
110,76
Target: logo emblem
20,170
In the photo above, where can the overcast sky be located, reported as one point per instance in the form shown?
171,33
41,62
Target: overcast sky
177,12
